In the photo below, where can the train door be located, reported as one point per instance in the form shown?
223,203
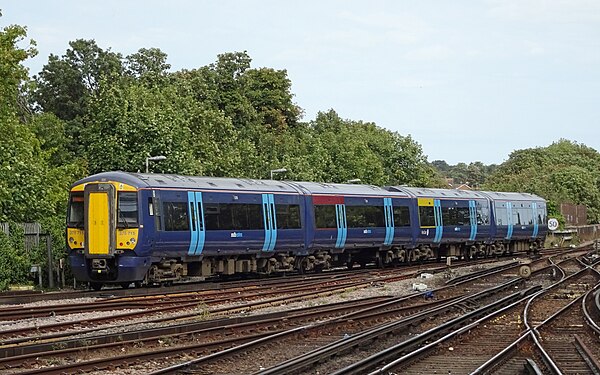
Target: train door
331,229
197,227
473,220
401,231
270,222
172,222
430,220
510,221
534,220
288,222
389,221
367,222
100,220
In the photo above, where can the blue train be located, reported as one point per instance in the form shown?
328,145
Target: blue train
125,228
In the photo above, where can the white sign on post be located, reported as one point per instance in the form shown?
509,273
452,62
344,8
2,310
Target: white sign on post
552,224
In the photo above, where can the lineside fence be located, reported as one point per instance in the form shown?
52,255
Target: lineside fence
32,238
570,235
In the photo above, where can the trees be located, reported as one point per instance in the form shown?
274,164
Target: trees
66,84
353,149
564,172
20,162
474,174
34,173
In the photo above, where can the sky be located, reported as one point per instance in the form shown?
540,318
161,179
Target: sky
468,80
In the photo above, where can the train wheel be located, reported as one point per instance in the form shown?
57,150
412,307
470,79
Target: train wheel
472,252
96,286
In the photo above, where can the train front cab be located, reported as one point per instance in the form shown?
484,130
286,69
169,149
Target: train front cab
103,232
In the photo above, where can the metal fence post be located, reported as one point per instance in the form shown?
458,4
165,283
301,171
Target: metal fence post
50,265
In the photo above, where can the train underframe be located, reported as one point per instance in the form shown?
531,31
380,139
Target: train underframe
175,269
123,270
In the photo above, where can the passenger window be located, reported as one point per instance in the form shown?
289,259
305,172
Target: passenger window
426,216
233,216
325,216
127,210
288,216
176,216
401,216
365,216
75,217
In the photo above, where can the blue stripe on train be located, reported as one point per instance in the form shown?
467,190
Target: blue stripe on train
192,218
273,217
473,219
342,230
266,222
509,232
200,221
536,226
389,221
196,217
439,224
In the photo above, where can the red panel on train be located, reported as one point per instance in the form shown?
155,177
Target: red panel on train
328,199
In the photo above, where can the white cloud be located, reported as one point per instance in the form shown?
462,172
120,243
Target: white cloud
546,10
430,53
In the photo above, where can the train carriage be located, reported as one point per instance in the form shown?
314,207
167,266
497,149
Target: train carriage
450,222
519,221
154,228
125,227
357,223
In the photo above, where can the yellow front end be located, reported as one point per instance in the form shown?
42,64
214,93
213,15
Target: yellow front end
99,224
98,215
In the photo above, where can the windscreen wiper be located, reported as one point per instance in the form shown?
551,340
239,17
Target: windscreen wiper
122,218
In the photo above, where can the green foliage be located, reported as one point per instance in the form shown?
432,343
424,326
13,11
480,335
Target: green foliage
91,110
65,84
564,172
12,73
132,121
14,262
36,167
474,174
246,96
149,65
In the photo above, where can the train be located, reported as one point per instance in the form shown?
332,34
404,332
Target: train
125,228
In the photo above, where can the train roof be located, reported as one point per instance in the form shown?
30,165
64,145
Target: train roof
421,192
510,196
162,181
318,188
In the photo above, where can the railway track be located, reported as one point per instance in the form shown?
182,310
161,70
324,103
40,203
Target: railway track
216,340
23,297
476,343
240,301
36,350
500,331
